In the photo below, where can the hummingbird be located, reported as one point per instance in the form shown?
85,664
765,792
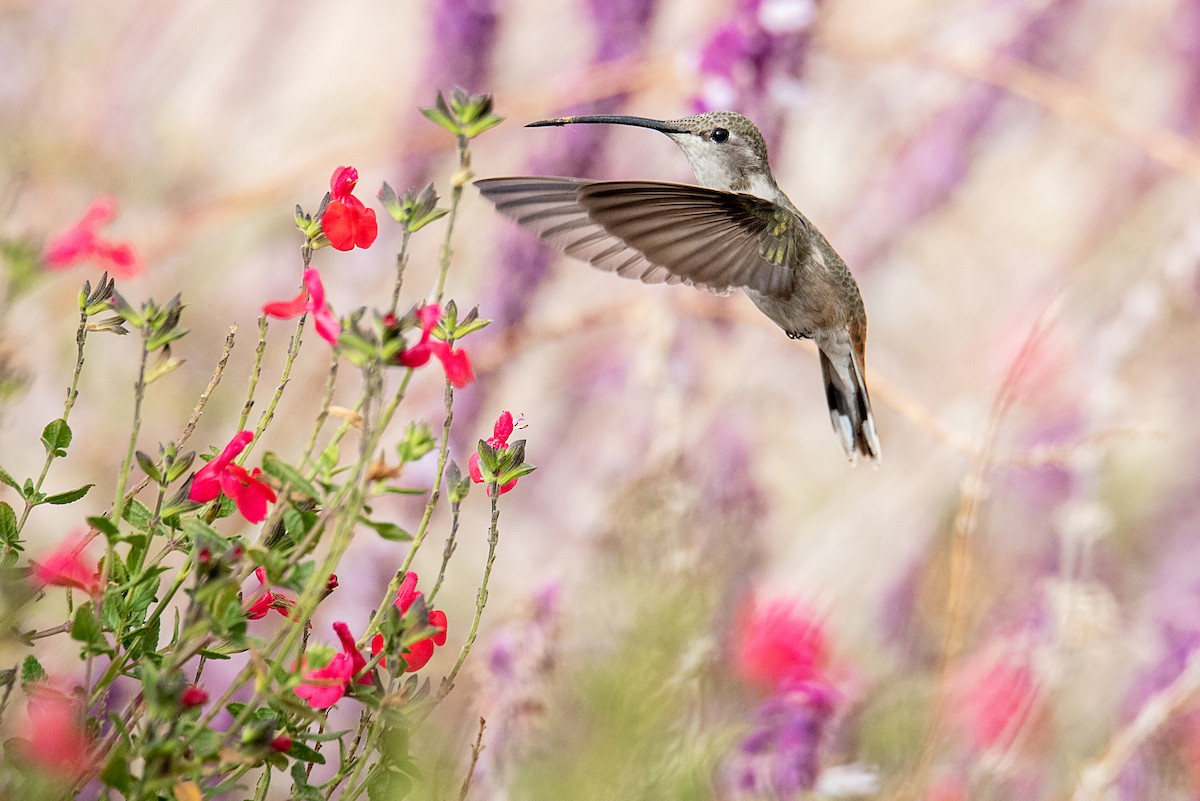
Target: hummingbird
736,230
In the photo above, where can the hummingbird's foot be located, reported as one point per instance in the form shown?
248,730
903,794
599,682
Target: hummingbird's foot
799,335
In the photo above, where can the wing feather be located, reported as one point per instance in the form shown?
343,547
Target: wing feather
655,232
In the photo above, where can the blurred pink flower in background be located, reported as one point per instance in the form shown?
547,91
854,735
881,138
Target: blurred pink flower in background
58,743
994,698
780,643
82,242
347,222
64,567
310,299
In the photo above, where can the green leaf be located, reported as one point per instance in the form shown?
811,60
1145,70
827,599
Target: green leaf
86,629
305,753
389,531
116,773
31,670
290,477
137,515
105,526
70,496
203,535
439,117
56,436
8,527
6,478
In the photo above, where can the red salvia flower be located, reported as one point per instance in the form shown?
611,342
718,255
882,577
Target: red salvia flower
456,363
244,487
501,431
82,242
347,223
65,567
324,687
268,600
420,652
310,299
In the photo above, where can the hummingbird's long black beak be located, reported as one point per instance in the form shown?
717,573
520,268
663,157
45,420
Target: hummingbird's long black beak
610,119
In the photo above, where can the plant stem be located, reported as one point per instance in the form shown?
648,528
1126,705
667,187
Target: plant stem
255,372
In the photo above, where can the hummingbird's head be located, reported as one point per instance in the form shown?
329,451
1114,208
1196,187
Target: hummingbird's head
726,150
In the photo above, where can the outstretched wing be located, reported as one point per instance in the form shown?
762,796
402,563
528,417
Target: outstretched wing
658,232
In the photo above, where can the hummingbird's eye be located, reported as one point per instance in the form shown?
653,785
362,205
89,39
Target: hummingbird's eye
720,135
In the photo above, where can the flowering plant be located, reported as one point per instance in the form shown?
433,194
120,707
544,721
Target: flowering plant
153,584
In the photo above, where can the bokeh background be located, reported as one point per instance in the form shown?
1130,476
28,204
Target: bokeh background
1013,182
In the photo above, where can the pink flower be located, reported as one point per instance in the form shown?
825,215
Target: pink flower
221,475
996,696
780,645
282,744
82,242
60,742
501,431
193,696
456,363
347,223
324,687
65,568
420,652
310,299
268,600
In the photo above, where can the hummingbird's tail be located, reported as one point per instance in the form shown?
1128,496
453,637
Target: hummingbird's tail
850,405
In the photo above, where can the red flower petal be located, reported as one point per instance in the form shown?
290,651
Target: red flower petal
418,655
437,619
407,592
502,430
366,229
65,568
377,643
456,363
351,650
324,687
343,182
338,224
285,309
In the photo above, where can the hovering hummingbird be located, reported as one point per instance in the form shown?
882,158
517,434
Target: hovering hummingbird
735,230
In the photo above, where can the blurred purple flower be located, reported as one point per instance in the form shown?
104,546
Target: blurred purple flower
753,62
464,36
1184,37
932,164
622,28
462,39
780,758
1177,613
622,31
519,660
